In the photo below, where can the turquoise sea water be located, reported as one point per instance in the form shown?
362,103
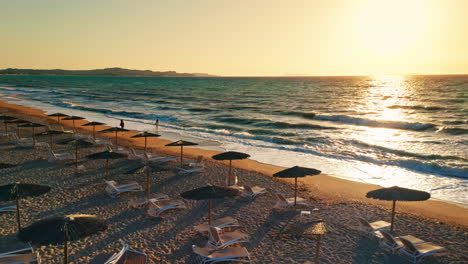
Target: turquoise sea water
390,130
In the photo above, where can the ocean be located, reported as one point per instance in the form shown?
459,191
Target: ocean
410,131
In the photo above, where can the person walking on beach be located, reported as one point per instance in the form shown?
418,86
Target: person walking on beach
122,123
157,124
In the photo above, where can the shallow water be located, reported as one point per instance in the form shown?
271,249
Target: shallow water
392,130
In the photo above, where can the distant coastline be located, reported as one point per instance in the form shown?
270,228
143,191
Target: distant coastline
102,72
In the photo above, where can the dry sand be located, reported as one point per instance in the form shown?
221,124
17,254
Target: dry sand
276,235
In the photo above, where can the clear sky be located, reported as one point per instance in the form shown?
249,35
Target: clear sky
238,37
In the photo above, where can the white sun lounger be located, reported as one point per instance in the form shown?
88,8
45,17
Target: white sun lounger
222,223
415,252
394,244
113,189
157,159
157,207
23,255
222,240
8,208
251,192
208,255
183,171
197,163
133,155
119,150
372,228
60,156
286,202
127,256
140,202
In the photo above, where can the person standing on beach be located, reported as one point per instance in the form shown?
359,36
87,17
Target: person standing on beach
157,124
122,123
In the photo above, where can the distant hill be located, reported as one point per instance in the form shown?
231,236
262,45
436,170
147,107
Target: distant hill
102,72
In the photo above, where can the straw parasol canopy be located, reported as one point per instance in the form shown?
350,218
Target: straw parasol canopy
396,193
58,115
114,129
231,155
107,155
209,193
181,143
17,122
61,230
296,172
94,124
32,126
77,142
73,118
6,118
318,229
16,191
145,135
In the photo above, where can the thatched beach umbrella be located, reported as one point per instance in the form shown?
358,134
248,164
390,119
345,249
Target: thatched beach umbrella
51,133
114,129
318,229
94,124
295,172
6,118
58,115
32,126
231,155
396,193
146,168
145,135
181,143
61,229
73,118
17,122
16,191
107,155
77,142
209,193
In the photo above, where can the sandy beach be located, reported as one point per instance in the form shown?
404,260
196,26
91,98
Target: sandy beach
276,235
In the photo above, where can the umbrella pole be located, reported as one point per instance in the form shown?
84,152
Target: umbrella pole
145,144
229,175
148,192
209,211
317,250
182,156
107,169
76,154
65,252
393,216
18,218
34,137
295,190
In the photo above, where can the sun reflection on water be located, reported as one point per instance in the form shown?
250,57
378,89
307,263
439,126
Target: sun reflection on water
384,92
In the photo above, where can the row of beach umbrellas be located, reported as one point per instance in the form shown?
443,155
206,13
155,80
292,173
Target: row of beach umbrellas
60,230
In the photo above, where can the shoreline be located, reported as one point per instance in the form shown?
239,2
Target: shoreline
324,188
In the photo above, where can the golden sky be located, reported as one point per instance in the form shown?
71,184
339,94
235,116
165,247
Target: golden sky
238,38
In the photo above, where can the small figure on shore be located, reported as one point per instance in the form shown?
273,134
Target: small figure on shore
122,124
157,124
